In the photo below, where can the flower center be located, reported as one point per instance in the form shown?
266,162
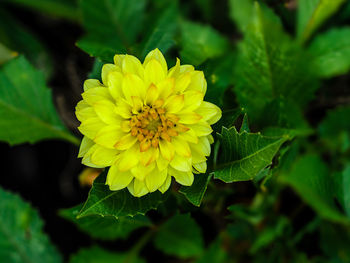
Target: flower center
151,124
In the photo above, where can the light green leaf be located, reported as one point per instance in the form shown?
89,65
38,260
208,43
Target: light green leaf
312,14
200,42
244,154
107,227
331,52
16,37
342,186
180,236
98,255
21,233
101,201
28,114
58,8
112,26
163,32
196,191
6,54
335,128
214,253
270,66
312,180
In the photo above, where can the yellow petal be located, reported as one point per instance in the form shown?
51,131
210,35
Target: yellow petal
132,65
137,104
174,71
140,171
189,136
154,73
201,167
115,82
166,149
201,128
133,86
181,147
157,55
84,111
108,136
118,60
198,82
103,156
91,126
128,159
152,94
164,187
118,180
162,163
106,111
87,158
210,112
186,69
149,156
93,95
174,103
125,142
183,178
123,109
182,82
85,146
211,139
189,117
203,146
106,69
91,83
166,88
137,188
181,163
193,99
155,179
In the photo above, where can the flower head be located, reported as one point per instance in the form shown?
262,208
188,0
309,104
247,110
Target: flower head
147,123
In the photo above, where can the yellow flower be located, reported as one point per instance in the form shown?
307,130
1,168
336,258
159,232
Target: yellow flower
147,123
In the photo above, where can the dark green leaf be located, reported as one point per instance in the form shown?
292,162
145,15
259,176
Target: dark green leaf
342,186
214,254
101,201
312,180
99,255
163,33
200,42
245,124
270,66
180,236
107,227
244,154
331,52
21,233
28,114
196,191
312,14
112,26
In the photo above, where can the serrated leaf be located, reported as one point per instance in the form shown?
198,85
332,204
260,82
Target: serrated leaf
270,65
311,179
107,227
331,51
200,42
99,255
196,191
244,154
26,108
312,14
21,233
180,236
112,26
101,201
163,32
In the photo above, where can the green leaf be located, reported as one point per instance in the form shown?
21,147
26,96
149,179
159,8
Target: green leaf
334,129
312,14
28,114
245,124
112,26
107,227
98,255
271,66
200,42
312,180
244,154
331,52
342,186
101,201
21,233
58,8
163,32
196,191
214,253
180,236
16,37
241,12
6,54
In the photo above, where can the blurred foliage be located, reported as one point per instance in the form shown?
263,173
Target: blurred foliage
276,63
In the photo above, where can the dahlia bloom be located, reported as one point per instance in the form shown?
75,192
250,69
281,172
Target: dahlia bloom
146,123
